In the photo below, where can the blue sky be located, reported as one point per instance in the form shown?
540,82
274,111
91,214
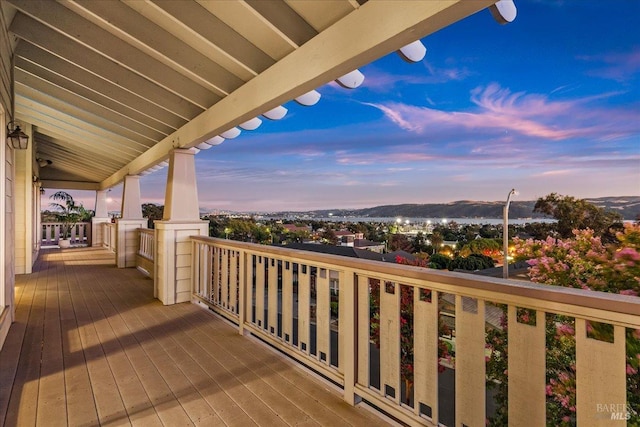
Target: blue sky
548,103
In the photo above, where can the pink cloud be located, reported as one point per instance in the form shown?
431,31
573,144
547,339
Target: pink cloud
532,115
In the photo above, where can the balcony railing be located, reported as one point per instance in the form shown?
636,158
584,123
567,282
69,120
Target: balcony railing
319,310
145,258
52,232
109,235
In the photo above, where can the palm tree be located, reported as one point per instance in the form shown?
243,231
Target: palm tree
68,212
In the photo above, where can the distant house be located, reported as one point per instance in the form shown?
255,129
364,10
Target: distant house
348,238
369,245
393,256
337,250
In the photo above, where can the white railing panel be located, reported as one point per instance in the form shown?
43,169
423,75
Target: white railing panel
51,233
425,348
224,283
272,296
526,365
390,340
600,378
260,267
470,361
287,302
323,316
364,335
233,281
305,305
304,301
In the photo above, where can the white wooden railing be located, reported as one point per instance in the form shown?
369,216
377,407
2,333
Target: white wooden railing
109,235
287,298
52,232
146,251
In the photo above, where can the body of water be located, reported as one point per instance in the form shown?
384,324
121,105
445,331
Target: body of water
403,220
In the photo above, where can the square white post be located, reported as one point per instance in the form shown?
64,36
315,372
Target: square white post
127,226
181,219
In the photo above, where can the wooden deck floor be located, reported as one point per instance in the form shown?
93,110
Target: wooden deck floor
91,346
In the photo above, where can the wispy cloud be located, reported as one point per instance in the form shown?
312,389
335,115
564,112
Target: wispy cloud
378,80
532,115
618,66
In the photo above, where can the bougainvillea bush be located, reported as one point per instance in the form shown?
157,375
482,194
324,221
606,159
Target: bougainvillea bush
581,262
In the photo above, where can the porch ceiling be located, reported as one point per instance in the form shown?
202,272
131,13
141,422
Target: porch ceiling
111,86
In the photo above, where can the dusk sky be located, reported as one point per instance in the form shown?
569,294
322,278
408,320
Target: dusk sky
548,103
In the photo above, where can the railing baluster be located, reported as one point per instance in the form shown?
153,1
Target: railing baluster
260,261
287,302
364,335
233,282
425,350
600,378
390,340
304,297
323,316
224,285
526,367
272,291
227,265
470,361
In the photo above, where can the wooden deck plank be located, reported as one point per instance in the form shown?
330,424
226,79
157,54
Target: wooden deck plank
23,403
172,378
81,409
52,410
139,409
91,346
141,373
10,354
225,408
300,391
108,402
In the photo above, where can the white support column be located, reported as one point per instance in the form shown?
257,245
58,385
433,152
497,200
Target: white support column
127,226
101,216
181,219
24,206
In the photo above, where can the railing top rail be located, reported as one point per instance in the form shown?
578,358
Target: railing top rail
507,291
146,230
58,223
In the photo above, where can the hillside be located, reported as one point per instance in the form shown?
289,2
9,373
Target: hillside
628,207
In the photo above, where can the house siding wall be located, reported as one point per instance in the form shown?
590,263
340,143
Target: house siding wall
7,264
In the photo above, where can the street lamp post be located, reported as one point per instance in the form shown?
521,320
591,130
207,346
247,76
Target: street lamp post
505,235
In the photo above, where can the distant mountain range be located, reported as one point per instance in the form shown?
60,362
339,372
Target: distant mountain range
628,207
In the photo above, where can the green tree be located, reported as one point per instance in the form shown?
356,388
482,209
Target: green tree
329,236
152,212
489,247
439,261
67,212
472,262
577,214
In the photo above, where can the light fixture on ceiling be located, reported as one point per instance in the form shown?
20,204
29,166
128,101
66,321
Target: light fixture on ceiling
234,132
308,99
252,124
276,113
216,140
18,139
504,11
413,52
43,162
351,80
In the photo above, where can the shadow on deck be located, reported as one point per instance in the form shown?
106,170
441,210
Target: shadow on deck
91,346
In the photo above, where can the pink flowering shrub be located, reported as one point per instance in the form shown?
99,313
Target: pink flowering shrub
582,262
